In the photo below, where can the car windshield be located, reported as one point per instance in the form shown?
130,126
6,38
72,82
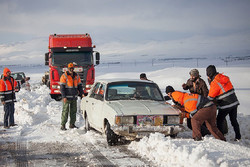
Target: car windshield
18,76
63,58
133,91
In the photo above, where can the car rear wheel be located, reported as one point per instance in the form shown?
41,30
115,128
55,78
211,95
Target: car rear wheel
112,138
87,126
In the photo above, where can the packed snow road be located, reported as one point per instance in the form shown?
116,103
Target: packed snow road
38,140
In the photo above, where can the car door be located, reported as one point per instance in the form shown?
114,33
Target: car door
95,106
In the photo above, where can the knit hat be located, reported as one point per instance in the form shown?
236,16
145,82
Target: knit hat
143,75
169,89
211,71
70,65
194,72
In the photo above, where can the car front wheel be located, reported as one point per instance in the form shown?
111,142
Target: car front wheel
112,138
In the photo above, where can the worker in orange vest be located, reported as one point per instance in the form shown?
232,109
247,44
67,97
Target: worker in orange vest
222,93
200,110
8,87
71,87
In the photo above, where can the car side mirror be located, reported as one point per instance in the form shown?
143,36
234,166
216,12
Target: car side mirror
167,98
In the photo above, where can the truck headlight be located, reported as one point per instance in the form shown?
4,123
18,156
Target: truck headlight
124,120
55,86
175,119
88,86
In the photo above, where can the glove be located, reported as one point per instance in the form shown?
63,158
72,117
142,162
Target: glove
185,86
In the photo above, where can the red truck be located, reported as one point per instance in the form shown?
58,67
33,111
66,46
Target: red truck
68,48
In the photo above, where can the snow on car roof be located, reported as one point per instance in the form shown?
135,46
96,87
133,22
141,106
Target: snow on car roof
122,80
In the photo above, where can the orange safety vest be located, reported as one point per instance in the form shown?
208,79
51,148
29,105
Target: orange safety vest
7,88
221,89
69,85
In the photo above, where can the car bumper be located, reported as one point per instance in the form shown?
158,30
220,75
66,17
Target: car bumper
133,132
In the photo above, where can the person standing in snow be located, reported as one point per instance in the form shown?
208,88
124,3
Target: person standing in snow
8,86
71,87
222,93
200,110
195,84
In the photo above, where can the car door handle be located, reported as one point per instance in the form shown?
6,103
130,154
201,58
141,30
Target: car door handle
87,101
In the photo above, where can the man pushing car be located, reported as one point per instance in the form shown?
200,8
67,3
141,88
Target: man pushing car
200,110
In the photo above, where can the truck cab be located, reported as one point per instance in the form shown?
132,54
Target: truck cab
65,49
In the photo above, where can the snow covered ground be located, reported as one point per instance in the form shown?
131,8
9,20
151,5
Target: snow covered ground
38,118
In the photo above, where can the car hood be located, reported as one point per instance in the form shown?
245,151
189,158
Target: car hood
142,107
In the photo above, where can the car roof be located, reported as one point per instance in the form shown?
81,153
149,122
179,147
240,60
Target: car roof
16,72
122,80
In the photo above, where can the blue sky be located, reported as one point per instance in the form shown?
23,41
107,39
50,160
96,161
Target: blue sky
132,29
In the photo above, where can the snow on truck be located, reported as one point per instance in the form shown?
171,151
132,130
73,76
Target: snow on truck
64,49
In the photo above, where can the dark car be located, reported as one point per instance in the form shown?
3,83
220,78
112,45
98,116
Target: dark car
19,77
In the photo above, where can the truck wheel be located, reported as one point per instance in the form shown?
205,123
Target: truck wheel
56,97
87,126
112,138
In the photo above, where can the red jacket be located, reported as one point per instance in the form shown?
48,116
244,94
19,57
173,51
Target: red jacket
7,88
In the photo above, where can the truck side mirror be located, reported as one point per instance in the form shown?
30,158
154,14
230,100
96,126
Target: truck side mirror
47,58
97,58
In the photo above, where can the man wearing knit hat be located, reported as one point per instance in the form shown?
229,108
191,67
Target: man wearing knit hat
199,109
71,87
195,84
222,93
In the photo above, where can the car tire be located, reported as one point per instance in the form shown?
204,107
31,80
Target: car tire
87,126
173,136
112,138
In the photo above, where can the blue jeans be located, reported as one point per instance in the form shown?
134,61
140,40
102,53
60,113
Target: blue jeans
9,114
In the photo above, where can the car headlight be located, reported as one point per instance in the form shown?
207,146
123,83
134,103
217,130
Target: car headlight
175,119
124,120
55,86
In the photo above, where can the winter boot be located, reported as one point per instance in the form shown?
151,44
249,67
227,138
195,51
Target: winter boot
71,126
197,139
63,127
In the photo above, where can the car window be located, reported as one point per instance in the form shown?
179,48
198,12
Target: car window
99,93
18,76
94,90
133,90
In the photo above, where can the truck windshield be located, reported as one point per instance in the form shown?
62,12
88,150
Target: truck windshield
80,58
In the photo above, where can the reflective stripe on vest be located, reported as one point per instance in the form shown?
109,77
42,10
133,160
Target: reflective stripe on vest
6,87
223,90
225,95
191,113
230,105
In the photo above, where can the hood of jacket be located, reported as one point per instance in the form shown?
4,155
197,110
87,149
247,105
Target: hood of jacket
5,71
222,78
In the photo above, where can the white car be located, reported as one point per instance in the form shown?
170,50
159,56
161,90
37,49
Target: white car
130,109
